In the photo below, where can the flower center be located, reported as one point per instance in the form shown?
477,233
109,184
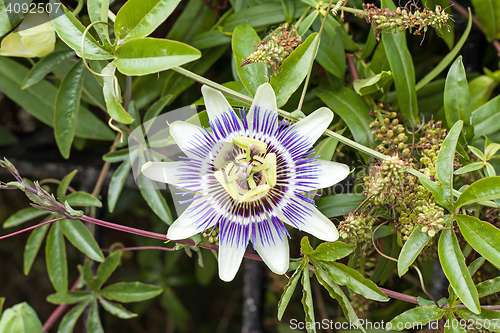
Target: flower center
248,173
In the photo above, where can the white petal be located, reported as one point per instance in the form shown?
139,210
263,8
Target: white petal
265,98
276,255
216,104
165,172
314,124
185,226
183,134
315,224
330,173
230,257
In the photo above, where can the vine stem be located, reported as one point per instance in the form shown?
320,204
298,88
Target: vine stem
31,228
59,310
316,46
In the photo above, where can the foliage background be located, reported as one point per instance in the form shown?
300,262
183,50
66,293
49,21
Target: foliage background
193,298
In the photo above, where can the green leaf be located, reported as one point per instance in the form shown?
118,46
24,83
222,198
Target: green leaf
107,267
411,249
9,20
116,309
243,43
69,320
260,16
289,288
482,236
453,263
331,53
443,64
126,292
117,182
332,251
488,287
336,292
71,297
306,23
83,199
196,18
44,67
491,150
476,265
307,301
21,318
66,108
117,156
33,246
98,11
150,55
139,18
62,188
78,234
344,275
482,190
353,110
209,39
293,70
488,14
87,276
339,204
403,71
419,315
94,322
481,89
325,149
55,253
24,215
70,30
486,118
469,168
112,96
39,100
305,246
156,109
457,98
154,199
372,84
289,10
444,162
488,318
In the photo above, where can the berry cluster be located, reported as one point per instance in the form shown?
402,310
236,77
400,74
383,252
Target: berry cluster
356,228
212,235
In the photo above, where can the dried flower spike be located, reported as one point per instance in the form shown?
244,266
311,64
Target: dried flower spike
384,19
275,49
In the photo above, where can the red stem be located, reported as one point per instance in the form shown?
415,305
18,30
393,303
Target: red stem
31,228
58,311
